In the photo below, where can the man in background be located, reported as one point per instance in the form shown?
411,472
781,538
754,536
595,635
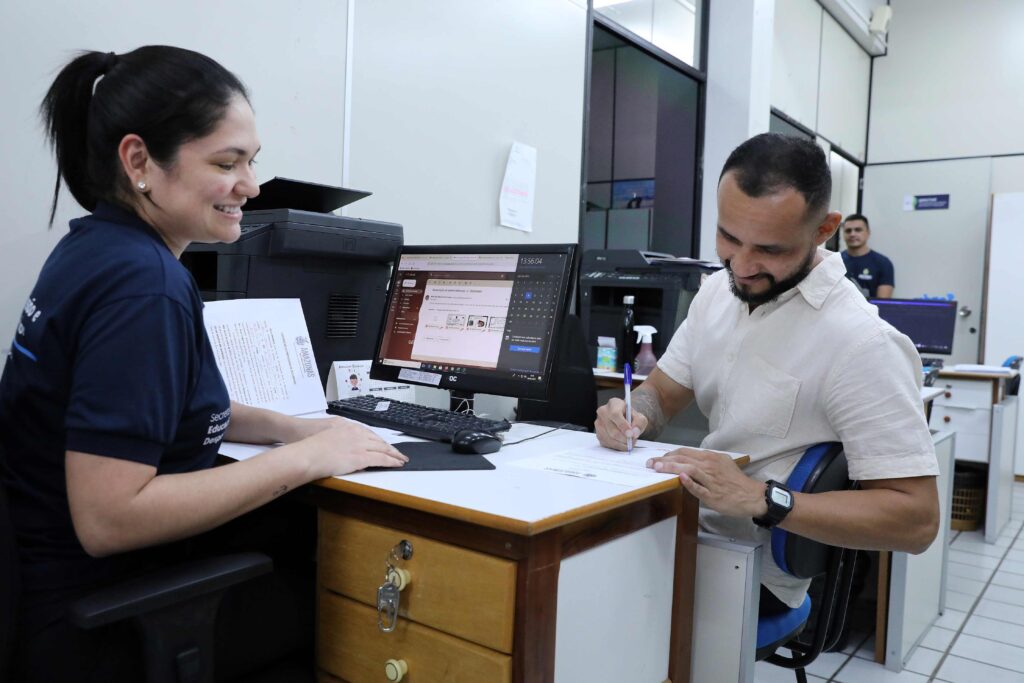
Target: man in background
870,270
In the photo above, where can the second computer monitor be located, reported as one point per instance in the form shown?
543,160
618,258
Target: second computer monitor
481,318
929,323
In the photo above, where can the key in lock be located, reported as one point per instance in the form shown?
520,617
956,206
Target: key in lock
387,606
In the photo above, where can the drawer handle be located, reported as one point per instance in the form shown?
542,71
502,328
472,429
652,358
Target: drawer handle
395,669
946,418
949,394
399,577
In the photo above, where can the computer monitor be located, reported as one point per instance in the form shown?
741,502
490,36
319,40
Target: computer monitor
481,318
929,323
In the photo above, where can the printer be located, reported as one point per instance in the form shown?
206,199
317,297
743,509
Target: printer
293,247
662,286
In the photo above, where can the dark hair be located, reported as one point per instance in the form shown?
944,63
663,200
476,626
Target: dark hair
165,95
858,217
769,163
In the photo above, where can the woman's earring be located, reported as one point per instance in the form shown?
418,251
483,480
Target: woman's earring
141,185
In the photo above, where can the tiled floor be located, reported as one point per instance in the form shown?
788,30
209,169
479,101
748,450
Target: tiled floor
980,638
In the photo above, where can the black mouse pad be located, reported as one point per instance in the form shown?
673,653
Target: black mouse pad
425,456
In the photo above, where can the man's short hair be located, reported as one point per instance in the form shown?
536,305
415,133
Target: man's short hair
353,376
858,217
769,163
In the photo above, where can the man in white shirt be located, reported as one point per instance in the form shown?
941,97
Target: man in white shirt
782,352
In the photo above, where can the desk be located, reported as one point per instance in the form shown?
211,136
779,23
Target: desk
510,581
975,407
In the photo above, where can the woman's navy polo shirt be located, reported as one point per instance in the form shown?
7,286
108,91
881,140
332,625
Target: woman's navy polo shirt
111,358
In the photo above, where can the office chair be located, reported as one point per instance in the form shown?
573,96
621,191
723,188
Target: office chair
572,396
173,608
821,468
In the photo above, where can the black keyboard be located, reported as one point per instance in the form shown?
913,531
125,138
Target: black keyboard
413,419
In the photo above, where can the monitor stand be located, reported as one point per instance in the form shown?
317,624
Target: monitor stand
460,401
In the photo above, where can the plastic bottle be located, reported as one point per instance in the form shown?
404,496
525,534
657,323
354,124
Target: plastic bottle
627,354
645,360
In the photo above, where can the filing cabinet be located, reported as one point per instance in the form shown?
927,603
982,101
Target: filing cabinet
965,407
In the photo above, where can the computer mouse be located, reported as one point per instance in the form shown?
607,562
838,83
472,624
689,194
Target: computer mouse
472,442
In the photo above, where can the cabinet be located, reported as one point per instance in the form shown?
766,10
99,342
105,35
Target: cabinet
976,408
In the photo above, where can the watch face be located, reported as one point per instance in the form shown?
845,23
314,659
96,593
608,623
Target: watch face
782,498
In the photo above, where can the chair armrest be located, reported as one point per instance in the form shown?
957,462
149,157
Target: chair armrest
164,587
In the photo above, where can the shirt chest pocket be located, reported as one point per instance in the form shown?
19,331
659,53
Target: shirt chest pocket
764,399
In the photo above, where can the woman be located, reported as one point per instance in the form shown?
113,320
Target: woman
111,392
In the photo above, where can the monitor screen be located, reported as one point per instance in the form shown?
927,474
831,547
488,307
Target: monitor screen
928,323
480,318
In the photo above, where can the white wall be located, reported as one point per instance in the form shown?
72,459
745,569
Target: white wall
796,50
440,91
949,88
821,76
290,55
951,83
738,94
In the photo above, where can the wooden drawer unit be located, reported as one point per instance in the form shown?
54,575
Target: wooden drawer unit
462,592
350,646
964,393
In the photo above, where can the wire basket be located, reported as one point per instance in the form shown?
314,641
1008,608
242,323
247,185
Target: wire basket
968,499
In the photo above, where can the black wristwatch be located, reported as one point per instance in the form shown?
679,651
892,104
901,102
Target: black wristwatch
780,502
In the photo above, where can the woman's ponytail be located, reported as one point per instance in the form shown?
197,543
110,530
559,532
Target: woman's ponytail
65,113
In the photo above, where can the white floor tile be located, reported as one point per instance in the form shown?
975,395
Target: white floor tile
990,652
980,548
1012,567
1004,578
854,642
1000,631
972,559
960,670
863,671
769,673
827,663
867,649
1009,596
938,638
960,601
979,537
1000,611
1015,556
968,571
923,661
952,619
967,586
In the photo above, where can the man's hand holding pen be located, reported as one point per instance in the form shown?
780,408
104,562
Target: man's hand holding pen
613,430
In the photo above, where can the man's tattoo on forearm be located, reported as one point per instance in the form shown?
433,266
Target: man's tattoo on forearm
646,402
282,489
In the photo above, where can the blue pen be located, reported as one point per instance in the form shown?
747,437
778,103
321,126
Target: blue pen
627,380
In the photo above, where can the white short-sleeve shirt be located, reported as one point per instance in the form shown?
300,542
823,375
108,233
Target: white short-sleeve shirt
817,364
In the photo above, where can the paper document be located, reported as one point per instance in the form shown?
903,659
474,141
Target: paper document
264,353
984,369
515,203
598,463
244,451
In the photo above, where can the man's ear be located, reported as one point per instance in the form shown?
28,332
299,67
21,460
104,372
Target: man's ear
828,227
134,157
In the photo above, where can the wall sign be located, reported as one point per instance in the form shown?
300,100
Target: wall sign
925,202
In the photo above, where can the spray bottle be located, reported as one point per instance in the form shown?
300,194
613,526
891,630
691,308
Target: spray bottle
645,360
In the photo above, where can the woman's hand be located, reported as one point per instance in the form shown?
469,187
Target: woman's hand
338,446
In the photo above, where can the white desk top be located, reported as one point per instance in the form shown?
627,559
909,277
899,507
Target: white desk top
513,498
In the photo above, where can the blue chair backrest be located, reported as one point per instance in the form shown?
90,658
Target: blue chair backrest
821,468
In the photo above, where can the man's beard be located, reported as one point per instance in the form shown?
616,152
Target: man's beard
775,287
